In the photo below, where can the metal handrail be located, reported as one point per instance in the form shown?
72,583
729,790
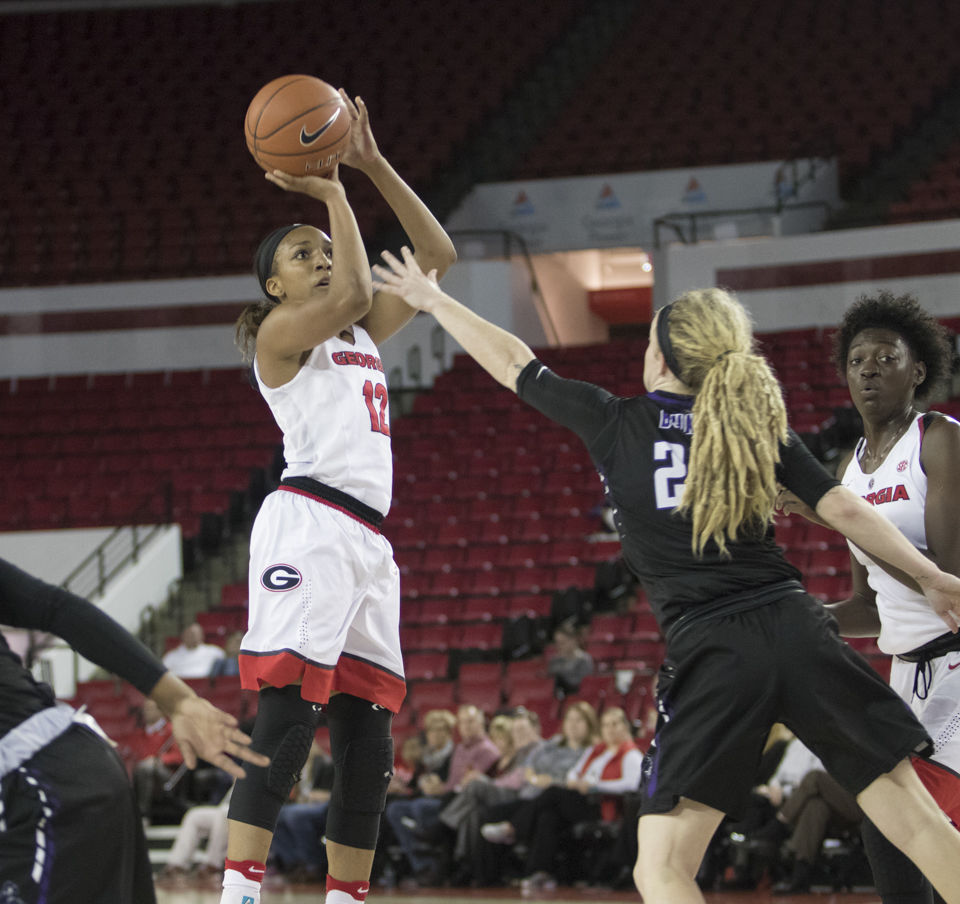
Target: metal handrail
101,562
667,221
510,239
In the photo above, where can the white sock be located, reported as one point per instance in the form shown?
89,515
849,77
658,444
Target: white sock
335,896
238,889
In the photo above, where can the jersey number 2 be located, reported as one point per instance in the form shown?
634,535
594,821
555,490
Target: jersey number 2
668,480
378,419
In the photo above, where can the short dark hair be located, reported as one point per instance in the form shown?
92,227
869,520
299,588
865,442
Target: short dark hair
927,339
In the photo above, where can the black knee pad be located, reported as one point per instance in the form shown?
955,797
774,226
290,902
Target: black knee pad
362,751
284,730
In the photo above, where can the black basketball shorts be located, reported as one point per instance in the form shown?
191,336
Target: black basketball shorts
70,830
726,680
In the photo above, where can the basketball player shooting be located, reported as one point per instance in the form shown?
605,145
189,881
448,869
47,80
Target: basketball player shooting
323,634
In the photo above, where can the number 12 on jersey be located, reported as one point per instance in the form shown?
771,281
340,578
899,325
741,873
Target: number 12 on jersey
668,480
378,416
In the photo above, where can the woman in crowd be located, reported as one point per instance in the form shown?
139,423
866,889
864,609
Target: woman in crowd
593,788
547,765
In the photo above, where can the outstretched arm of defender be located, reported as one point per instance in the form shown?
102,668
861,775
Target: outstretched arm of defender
499,353
858,521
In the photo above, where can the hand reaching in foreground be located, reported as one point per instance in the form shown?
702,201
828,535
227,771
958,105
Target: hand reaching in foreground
201,730
789,504
406,279
943,593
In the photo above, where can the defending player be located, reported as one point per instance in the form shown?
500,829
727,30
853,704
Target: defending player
324,590
690,471
70,829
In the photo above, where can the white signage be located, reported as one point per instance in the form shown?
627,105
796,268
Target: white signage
617,210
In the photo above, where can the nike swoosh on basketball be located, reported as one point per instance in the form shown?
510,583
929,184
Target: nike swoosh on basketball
308,138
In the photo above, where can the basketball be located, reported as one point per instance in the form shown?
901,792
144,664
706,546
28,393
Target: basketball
298,124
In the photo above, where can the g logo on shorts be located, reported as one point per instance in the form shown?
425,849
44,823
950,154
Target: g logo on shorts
280,577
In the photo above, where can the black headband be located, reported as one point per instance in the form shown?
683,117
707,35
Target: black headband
267,250
663,338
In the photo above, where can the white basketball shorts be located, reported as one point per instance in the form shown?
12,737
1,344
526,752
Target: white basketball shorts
324,603
937,705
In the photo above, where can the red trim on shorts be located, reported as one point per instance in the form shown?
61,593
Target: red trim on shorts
332,505
350,675
943,784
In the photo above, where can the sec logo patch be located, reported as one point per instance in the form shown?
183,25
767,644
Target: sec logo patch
280,577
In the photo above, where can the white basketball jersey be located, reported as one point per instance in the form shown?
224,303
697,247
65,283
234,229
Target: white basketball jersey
335,422
898,490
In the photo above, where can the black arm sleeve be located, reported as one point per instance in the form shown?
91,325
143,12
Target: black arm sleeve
582,407
28,602
801,473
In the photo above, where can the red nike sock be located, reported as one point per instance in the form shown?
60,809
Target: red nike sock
356,891
251,870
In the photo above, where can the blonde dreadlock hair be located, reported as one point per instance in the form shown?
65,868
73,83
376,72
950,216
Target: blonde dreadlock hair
739,417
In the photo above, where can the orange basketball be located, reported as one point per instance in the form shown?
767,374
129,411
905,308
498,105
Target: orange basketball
298,124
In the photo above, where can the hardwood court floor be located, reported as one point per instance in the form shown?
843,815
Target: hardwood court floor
302,894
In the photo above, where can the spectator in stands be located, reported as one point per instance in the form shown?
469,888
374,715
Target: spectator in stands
202,822
518,737
438,728
692,469
429,755
71,829
229,663
298,845
548,765
593,789
412,821
193,658
894,355
156,758
324,589
727,863
814,805
407,768
570,664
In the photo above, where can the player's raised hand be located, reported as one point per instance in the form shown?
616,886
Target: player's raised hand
406,279
362,148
